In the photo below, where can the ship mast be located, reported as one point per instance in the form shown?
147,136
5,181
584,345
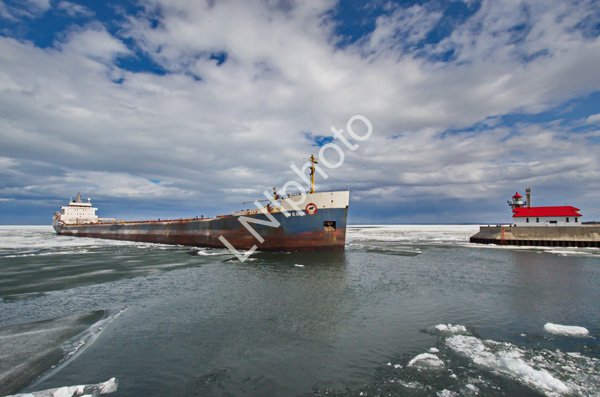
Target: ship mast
313,161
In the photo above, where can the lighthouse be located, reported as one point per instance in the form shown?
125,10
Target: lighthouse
540,226
517,201
526,215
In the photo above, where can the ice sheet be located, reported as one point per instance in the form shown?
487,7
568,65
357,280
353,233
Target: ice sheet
422,234
29,350
23,241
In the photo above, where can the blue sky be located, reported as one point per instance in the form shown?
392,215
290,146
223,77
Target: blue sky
177,108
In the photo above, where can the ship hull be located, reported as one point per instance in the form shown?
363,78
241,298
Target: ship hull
324,230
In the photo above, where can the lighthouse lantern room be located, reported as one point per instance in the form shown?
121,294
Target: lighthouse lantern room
517,201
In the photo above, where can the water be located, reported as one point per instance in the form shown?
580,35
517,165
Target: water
168,320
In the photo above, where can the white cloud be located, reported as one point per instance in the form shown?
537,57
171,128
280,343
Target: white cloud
25,8
403,29
204,129
4,13
118,185
39,4
593,118
94,41
73,9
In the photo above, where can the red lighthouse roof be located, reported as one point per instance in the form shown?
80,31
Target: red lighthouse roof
517,195
546,211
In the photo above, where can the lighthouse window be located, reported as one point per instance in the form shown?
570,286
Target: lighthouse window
567,219
526,220
537,220
576,219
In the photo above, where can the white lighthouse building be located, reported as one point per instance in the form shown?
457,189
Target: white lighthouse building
526,215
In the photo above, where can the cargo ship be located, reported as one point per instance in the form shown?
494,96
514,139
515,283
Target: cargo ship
314,221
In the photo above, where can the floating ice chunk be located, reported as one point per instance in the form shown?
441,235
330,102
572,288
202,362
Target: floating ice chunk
508,360
110,386
426,360
298,265
206,253
397,366
453,329
447,393
567,330
433,350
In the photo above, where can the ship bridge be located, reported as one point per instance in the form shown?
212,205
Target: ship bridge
77,212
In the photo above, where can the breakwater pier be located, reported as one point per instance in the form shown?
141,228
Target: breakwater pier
549,236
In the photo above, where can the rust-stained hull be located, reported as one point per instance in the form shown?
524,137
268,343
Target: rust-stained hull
324,230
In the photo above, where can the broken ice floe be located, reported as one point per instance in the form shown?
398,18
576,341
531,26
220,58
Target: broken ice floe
110,386
508,360
462,363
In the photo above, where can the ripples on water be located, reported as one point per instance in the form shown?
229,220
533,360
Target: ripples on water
169,320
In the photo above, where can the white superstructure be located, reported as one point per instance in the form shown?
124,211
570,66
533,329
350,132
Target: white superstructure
77,212
304,203
299,205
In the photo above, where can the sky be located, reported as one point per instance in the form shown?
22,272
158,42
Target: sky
174,108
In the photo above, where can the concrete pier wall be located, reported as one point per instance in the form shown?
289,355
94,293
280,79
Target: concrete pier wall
553,236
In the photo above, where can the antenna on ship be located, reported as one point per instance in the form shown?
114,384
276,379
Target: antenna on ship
78,198
313,161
